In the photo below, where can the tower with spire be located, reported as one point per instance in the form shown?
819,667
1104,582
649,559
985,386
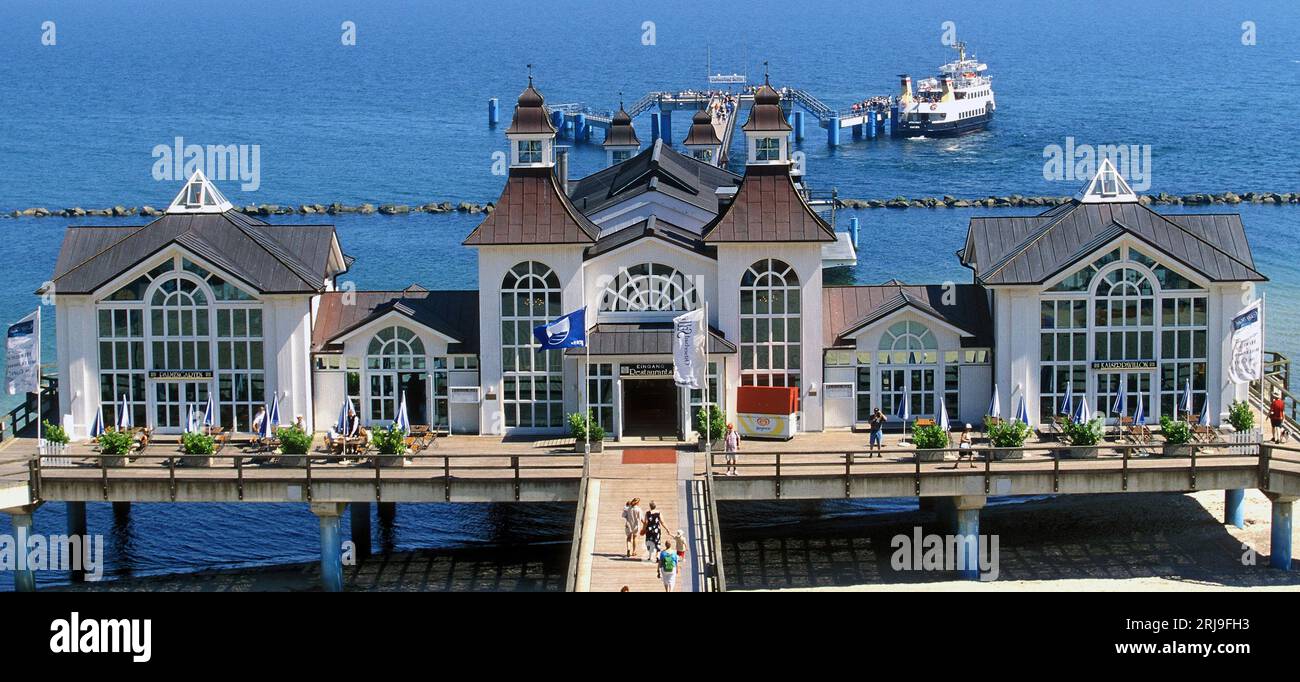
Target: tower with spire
702,141
621,142
767,133
531,135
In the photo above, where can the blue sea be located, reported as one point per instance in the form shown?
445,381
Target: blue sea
401,117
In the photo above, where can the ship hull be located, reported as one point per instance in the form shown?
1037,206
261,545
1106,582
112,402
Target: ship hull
973,124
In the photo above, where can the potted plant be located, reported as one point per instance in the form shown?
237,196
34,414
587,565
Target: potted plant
1241,416
580,427
1178,438
712,422
1083,436
930,440
198,448
294,445
114,446
1006,437
391,445
55,439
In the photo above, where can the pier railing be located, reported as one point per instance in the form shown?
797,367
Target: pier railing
1125,459
25,416
443,470
579,527
1277,379
715,577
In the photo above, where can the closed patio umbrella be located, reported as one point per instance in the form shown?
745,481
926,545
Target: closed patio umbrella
273,417
124,414
1120,406
1185,404
1067,402
97,429
403,421
1140,414
210,413
995,405
1022,413
1081,414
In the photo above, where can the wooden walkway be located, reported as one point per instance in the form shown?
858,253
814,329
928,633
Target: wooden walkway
605,566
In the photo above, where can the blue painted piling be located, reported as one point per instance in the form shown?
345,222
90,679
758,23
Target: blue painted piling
857,132
967,530
494,112
579,127
24,578
833,132
873,120
331,552
557,121
853,230
1279,548
666,126
798,126
1234,507
654,126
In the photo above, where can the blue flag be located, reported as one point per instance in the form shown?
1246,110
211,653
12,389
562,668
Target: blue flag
569,331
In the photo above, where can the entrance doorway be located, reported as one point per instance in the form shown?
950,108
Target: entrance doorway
172,401
413,385
650,407
915,385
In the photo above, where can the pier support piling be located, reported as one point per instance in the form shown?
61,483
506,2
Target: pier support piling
360,528
579,127
798,126
853,230
833,132
21,519
666,126
857,132
654,126
331,545
557,121
870,124
1279,549
1234,507
121,512
494,112
961,515
76,512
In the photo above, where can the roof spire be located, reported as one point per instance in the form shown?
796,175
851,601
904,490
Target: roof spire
530,75
1106,186
765,81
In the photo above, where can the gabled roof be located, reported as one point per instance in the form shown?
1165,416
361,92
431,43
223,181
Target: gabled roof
848,309
768,208
453,314
271,259
651,228
1033,249
642,338
657,168
533,209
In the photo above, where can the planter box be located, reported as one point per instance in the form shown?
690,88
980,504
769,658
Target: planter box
112,461
1000,454
295,461
204,461
1184,450
929,455
1079,453
392,461
718,445
596,446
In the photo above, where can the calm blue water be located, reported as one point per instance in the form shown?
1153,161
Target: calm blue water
401,117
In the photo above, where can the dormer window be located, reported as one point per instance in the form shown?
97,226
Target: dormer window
1109,187
530,151
194,194
705,155
768,149
621,155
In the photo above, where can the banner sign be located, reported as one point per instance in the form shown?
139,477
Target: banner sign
180,375
1247,363
689,333
646,369
1124,364
23,356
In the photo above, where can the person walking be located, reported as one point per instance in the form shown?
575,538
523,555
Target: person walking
731,442
632,518
668,568
1276,409
876,427
651,528
964,448
679,544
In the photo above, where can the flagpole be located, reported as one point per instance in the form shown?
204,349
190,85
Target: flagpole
586,369
708,409
39,414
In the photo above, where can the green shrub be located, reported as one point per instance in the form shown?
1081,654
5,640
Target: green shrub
1085,433
114,443
390,441
578,427
1175,432
293,441
198,443
54,434
932,436
712,421
1007,434
1241,416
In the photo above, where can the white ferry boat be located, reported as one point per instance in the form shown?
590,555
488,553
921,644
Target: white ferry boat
957,101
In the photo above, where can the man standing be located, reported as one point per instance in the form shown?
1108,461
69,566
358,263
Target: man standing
876,426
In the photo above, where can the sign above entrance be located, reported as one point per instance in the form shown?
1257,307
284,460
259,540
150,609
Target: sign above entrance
180,375
1124,364
646,369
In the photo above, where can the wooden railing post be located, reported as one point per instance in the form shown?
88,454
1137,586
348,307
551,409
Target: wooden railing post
778,475
378,494
1265,454
1056,470
1192,473
309,479
514,464
1123,479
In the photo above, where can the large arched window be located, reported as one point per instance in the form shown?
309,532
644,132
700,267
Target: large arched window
179,319
649,287
908,362
770,330
395,348
533,380
395,359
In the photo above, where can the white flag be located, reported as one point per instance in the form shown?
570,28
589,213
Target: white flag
689,333
23,355
1247,345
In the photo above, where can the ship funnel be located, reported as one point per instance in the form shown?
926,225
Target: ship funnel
905,92
947,95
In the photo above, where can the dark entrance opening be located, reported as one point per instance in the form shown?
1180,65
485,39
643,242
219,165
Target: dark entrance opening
649,407
416,397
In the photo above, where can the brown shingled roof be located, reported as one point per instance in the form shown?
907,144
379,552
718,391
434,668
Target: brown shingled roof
620,132
768,208
702,130
530,114
766,114
533,209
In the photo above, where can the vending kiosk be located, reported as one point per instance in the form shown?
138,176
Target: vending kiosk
768,411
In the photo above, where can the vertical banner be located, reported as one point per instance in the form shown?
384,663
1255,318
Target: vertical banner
689,333
1247,345
23,355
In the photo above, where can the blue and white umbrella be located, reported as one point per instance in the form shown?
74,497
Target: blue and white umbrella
1205,412
995,405
403,420
274,415
1185,405
210,412
124,414
1067,402
1081,414
341,426
1120,407
1140,414
191,420
903,410
943,415
1022,412
264,429
97,429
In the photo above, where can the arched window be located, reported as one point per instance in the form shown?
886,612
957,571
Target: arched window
906,340
649,287
179,318
908,361
533,381
395,348
394,359
770,331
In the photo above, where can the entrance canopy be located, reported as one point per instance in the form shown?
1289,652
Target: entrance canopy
643,338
